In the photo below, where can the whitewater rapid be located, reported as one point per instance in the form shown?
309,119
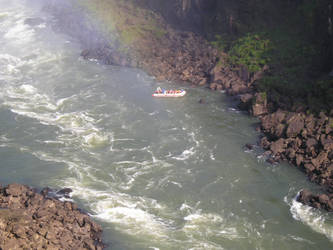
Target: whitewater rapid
158,174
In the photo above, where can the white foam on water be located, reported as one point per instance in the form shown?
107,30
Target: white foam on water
212,156
96,139
300,239
20,33
186,154
193,136
131,171
233,110
199,227
9,70
153,113
202,225
128,213
177,184
28,89
26,100
315,219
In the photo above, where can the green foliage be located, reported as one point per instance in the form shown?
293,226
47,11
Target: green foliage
250,51
263,95
221,42
292,66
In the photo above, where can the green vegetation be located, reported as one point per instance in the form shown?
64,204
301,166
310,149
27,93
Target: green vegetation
220,42
250,51
295,42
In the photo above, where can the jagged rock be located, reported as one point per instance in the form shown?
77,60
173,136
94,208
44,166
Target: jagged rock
264,142
213,86
295,125
328,144
15,190
291,153
237,88
249,146
30,220
64,192
278,146
259,106
311,142
309,167
321,158
320,201
245,101
305,196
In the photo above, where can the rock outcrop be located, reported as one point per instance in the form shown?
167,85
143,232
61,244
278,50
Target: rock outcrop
303,140
31,220
321,201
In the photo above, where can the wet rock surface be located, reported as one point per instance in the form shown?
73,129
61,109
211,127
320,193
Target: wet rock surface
320,201
32,220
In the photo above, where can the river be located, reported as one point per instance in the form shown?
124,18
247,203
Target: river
156,173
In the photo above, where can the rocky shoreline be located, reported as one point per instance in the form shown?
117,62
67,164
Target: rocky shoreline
288,132
303,140
32,220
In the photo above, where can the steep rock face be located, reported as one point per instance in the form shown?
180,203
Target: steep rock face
184,14
237,17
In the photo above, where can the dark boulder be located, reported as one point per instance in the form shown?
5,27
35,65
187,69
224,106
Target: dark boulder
320,201
245,101
64,191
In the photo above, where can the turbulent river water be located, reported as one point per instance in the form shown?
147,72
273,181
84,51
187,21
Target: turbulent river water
156,173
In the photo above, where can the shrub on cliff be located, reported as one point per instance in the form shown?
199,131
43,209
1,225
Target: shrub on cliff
250,51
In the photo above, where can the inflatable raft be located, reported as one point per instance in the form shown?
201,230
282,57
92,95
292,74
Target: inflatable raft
169,93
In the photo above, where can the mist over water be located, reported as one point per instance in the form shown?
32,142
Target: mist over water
156,173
